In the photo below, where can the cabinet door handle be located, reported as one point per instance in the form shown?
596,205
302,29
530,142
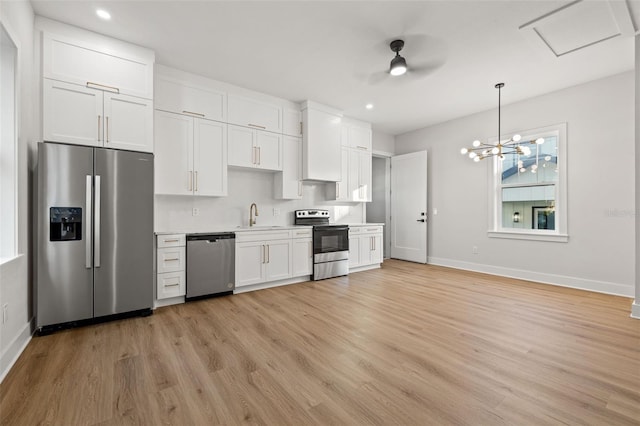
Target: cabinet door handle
259,156
196,181
172,285
268,254
173,259
337,189
362,147
253,155
99,118
300,188
93,85
175,240
190,180
257,126
193,113
106,128
301,128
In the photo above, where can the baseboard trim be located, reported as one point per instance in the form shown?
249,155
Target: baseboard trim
262,286
540,277
15,349
635,309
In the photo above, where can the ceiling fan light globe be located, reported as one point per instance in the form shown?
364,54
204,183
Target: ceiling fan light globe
540,141
476,143
516,138
398,66
464,151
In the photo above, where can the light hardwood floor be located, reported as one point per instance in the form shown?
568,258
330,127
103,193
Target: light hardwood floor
407,344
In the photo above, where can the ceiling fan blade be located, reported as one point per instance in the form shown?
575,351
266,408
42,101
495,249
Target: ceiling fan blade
377,77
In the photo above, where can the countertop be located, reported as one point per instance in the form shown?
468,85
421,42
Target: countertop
257,228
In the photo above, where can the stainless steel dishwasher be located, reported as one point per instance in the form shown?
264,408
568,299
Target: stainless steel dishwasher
210,264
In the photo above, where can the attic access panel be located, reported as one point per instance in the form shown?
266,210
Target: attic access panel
578,25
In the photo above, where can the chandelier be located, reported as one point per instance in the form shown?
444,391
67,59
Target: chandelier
514,146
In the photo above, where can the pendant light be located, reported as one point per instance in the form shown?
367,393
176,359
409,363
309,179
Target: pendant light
479,150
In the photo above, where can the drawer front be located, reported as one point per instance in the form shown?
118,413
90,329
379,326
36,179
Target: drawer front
355,230
171,240
171,259
262,235
171,284
376,229
302,233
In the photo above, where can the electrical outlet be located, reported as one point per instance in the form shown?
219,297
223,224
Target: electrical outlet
475,249
195,211
5,313
276,212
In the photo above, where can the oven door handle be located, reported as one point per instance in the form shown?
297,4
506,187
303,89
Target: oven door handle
341,228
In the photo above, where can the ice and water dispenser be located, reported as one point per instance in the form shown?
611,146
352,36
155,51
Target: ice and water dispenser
65,223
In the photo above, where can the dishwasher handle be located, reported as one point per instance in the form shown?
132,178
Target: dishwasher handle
211,238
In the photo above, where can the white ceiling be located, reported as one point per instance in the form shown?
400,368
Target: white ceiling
336,52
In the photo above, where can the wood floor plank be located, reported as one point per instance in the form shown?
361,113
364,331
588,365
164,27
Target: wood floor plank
404,344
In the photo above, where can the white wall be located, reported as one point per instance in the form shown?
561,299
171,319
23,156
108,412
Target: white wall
383,143
600,254
174,213
15,284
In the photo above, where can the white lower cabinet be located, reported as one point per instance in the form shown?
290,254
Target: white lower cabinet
302,252
365,245
171,266
263,256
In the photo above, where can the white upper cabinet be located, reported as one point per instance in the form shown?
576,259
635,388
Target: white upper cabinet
88,59
355,185
190,155
174,154
85,116
253,148
253,113
288,184
188,98
321,142
291,122
209,158
71,113
128,122
360,138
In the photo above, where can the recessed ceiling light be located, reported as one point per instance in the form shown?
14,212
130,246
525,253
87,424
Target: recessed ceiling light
103,14
369,106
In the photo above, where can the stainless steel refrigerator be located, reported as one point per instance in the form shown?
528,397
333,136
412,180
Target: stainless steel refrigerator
95,234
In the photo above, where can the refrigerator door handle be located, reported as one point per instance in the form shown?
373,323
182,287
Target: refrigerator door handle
87,229
96,231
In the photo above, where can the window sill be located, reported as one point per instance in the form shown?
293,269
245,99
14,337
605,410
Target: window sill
511,235
6,261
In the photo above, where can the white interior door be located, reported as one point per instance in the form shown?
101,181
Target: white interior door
409,207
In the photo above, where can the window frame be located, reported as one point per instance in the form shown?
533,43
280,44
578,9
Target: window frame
9,248
560,234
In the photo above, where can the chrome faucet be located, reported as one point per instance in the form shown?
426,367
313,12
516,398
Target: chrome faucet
252,220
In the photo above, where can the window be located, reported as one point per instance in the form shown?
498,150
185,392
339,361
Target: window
529,196
8,147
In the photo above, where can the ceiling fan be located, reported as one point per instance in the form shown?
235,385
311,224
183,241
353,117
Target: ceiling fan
425,55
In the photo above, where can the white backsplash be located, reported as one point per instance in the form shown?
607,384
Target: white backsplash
174,213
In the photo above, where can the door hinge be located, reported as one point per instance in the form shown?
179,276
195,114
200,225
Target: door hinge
301,128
